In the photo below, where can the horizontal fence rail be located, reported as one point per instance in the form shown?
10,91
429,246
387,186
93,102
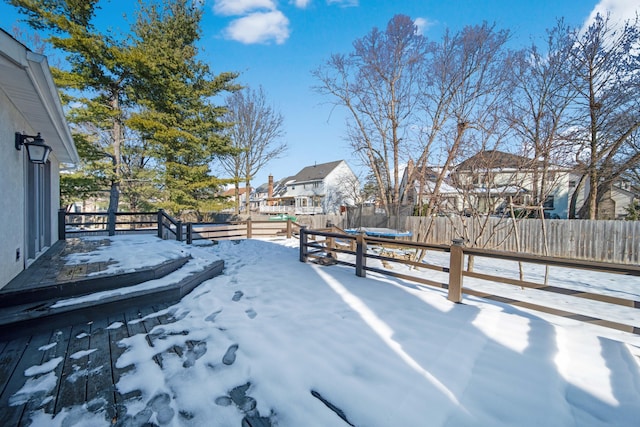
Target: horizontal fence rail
332,246
77,224
105,223
241,230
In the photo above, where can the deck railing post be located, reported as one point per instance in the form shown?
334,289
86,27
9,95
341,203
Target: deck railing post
179,231
189,233
111,226
361,258
456,265
62,224
249,230
303,243
160,222
288,228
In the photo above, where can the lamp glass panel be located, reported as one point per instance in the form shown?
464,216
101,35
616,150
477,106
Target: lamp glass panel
38,153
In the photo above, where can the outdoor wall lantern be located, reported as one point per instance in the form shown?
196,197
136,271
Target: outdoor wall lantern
37,151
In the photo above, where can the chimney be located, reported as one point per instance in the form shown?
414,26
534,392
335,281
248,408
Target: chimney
270,189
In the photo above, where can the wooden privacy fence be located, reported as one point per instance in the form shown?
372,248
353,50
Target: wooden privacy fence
331,246
593,240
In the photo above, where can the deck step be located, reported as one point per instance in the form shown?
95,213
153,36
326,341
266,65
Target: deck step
88,284
49,313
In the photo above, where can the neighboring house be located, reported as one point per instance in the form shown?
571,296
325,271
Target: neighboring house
29,105
487,182
615,201
492,179
325,188
420,191
230,195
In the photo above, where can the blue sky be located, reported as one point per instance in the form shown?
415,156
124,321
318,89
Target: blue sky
276,44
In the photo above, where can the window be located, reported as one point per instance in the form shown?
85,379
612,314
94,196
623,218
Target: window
548,202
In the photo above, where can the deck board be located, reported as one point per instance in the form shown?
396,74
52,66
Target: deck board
73,383
100,387
61,338
9,360
115,351
35,356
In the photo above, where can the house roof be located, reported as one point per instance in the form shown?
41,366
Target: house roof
316,172
232,192
429,186
494,159
26,80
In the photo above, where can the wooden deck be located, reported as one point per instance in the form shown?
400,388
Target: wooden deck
56,362
82,369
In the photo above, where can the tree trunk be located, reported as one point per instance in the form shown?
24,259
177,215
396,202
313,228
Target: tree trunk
247,194
117,135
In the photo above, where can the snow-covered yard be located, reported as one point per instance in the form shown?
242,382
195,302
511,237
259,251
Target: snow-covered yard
298,344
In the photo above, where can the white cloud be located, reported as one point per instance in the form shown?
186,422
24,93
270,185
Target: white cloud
301,3
343,3
619,10
259,27
422,25
240,7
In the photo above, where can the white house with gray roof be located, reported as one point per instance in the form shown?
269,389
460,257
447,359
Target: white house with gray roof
324,188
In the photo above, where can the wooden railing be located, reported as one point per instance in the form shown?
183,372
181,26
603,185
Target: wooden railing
78,224
101,223
332,246
241,230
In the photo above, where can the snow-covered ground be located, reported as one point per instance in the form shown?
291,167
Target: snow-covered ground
297,344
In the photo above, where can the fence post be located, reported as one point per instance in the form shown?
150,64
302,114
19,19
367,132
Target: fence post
249,230
111,226
361,252
303,243
288,228
160,222
456,265
189,233
179,231
62,224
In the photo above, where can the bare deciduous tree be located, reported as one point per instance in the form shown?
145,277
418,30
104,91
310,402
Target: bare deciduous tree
461,100
606,69
256,134
540,107
377,84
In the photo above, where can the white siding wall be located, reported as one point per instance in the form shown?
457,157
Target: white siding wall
339,188
12,189
13,205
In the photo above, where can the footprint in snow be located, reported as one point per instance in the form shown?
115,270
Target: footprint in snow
246,404
195,353
212,316
237,295
161,405
251,313
230,356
